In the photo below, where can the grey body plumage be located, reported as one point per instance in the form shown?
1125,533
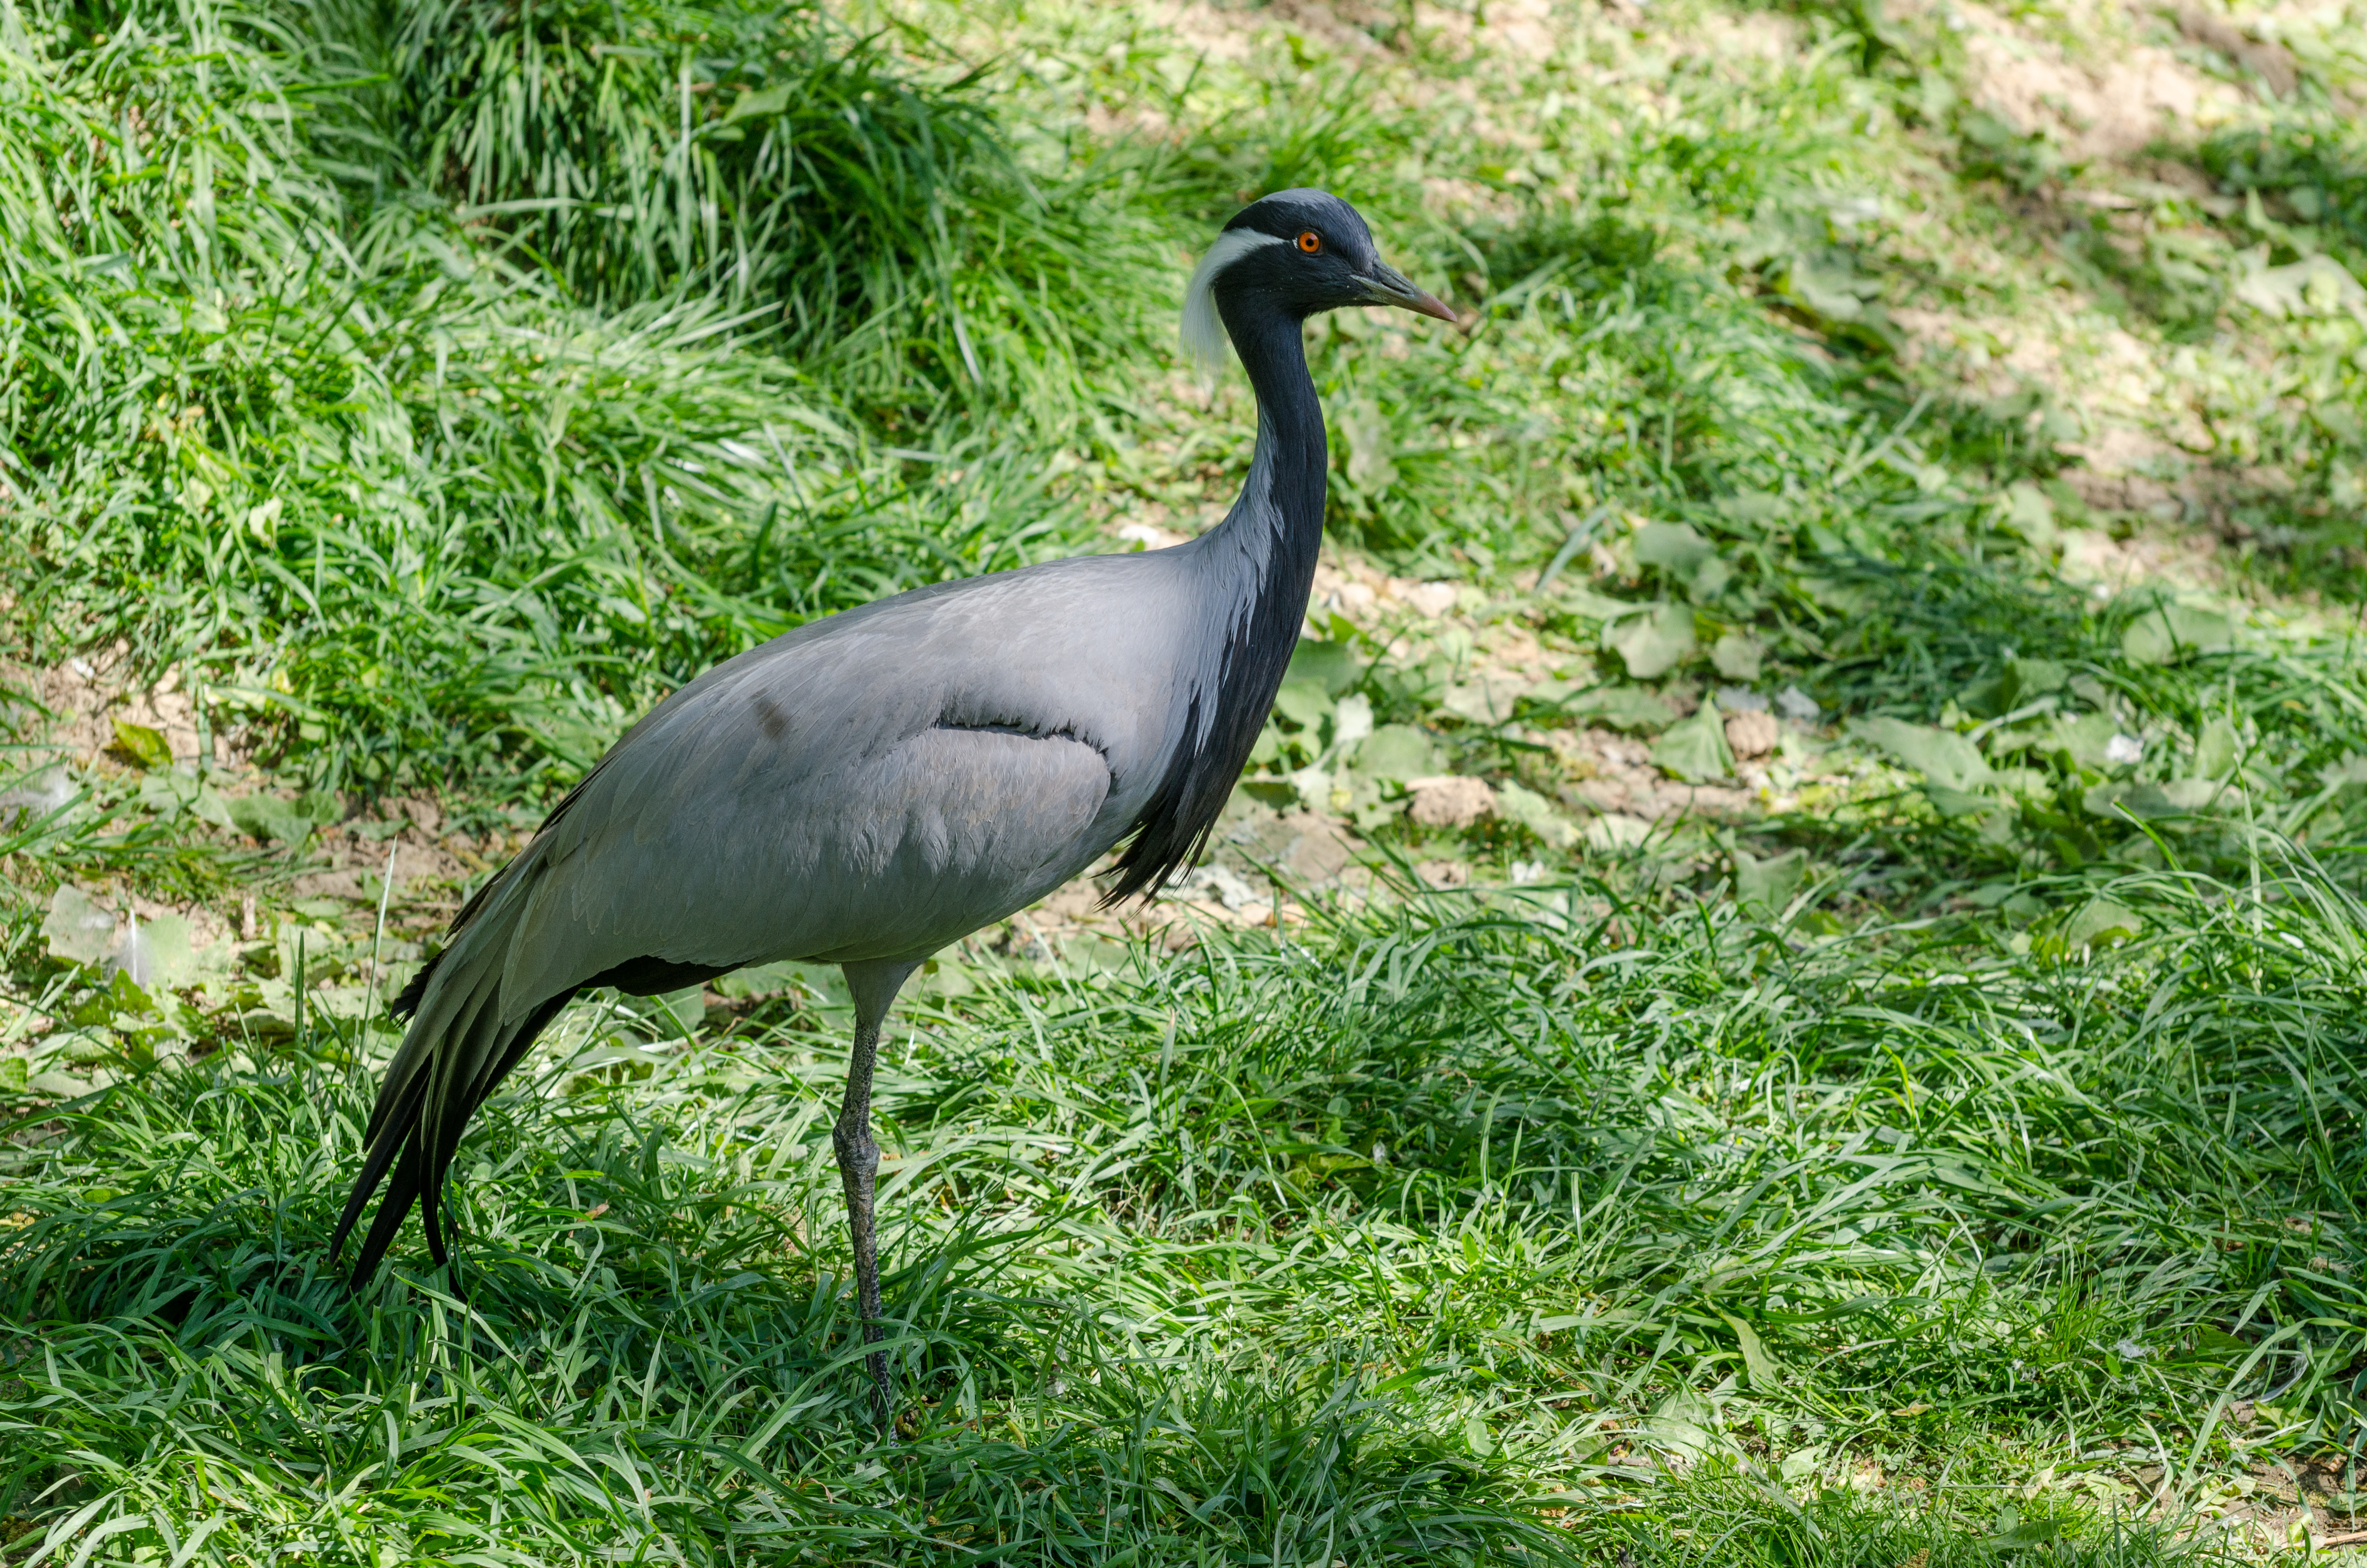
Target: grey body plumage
872,786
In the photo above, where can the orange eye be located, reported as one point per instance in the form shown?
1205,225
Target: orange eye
1309,241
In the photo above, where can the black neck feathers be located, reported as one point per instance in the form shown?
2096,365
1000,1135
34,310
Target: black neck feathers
1260,565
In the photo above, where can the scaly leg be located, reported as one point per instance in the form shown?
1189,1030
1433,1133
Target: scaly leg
858,1166
875,988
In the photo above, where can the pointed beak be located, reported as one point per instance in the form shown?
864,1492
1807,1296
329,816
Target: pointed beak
1387,285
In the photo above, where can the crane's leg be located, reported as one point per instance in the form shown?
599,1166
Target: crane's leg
874,986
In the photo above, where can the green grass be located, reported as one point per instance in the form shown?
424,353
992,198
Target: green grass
1957,1162
1335,1247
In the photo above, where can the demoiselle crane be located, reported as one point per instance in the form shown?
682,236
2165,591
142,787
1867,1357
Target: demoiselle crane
879,783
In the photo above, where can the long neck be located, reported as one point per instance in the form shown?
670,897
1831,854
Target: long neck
1275,528
1258,566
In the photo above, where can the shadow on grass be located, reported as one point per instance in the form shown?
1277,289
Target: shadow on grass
1740,1521
639,1353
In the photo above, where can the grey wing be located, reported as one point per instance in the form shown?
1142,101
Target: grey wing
868,786
744,856
871,788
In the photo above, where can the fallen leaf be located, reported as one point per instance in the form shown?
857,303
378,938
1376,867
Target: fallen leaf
142,746
1942,757
77,929
1654,644
1694,750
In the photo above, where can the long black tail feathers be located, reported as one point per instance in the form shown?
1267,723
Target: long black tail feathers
414,1136
416,1127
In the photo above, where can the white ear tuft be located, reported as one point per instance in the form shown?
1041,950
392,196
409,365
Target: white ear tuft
1204,329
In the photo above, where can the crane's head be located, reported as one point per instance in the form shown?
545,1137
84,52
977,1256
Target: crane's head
1295,253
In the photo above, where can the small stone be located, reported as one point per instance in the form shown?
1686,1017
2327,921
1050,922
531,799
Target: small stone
1749,735
1318,851
1431,600
1452,802
1220,884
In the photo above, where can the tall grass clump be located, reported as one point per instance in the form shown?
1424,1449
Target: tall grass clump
873,224
373,472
